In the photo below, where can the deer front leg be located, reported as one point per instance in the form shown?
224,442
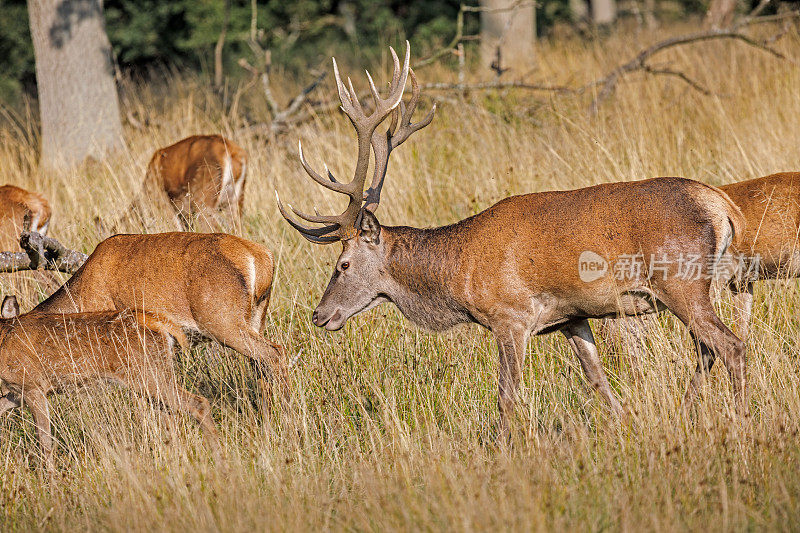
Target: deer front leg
511,345
580,338
36,400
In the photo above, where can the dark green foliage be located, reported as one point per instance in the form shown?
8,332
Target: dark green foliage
16,50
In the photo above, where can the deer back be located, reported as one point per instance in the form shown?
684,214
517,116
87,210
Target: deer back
49,351
183,276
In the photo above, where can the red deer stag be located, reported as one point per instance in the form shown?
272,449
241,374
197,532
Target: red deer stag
41,354
16,205
212,285
201,177
515,268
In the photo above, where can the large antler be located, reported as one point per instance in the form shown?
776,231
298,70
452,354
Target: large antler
399,130
343,226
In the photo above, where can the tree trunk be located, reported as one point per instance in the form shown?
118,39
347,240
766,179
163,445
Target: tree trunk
78,102
579,10
508,36
720,14
603,11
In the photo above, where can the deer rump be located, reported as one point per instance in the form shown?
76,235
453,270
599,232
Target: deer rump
199,181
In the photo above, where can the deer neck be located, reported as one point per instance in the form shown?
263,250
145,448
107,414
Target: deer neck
422,267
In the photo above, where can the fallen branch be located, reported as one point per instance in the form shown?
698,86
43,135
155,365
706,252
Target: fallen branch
608,83
484,86
41,253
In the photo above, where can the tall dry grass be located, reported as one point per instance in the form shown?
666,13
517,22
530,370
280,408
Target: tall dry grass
391,427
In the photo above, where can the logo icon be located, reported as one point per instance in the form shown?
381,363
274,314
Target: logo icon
591,266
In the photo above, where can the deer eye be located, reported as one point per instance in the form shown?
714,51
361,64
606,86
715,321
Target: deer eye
345,266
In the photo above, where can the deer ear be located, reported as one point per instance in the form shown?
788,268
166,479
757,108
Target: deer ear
10,307
370,228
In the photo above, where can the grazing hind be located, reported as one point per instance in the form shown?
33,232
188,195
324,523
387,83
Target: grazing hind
45,353
200,179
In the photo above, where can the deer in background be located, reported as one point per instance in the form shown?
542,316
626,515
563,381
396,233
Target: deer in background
767,250
15,205
212,285
514,268
45,353
201,177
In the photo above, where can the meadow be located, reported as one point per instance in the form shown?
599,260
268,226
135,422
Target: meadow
391,427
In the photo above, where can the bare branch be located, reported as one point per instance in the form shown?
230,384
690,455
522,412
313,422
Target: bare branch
281,118
41,253
484,86
608,83
669,72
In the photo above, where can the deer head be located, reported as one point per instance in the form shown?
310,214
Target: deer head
357,281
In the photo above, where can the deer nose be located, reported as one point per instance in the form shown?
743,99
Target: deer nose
315,318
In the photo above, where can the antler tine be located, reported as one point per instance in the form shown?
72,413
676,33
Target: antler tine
317,219
399,130
329,183
406,128
412,104
324,235
375,96
354,99
396,69
344,96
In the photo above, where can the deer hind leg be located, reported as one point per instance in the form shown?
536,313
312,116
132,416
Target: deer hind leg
743,309
267,357
580,338
236,323
713,339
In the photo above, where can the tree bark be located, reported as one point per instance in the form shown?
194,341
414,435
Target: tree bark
720,14
603,11
78,101
41,253
508,36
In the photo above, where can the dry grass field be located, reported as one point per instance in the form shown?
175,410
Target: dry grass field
391,427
